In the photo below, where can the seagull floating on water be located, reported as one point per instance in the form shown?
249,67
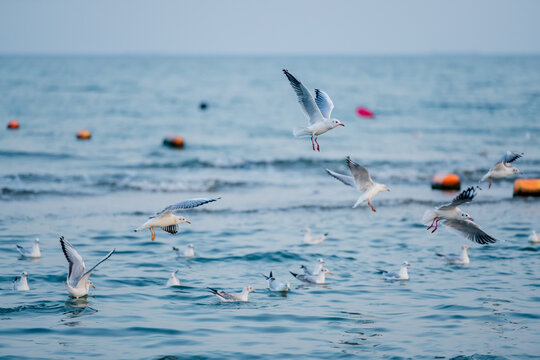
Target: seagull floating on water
462,259
503,167
33,253
457,220
21,283
534,238
173,280
313,270
317,111
187,252
78,282
320,278
402,274
360,180
313,240
226,297
275,285
167,221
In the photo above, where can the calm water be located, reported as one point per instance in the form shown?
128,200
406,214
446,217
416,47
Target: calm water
433,114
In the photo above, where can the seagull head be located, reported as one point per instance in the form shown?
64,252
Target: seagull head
37,241
249,289
24,274
181,219
406,264
336,123
325,271
465,247
385,188
465,216
321,261
190,246
515,171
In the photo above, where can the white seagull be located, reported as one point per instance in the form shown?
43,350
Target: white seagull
34,253
78,282
402,274
226,297
167,221
313,240
457,220
462,259
313,270
173,280
360,180
21,283
503,167
312,279
534,238
275,285
187,252
317,111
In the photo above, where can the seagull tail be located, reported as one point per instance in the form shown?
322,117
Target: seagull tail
301,131
429,216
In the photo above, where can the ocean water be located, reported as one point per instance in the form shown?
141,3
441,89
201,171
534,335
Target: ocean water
434,114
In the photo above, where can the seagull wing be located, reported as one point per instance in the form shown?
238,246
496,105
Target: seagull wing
171,229
346,179
87,274
307,103
75,261
469,230
360,175
187,204
509,157
324,103
466,196
23,251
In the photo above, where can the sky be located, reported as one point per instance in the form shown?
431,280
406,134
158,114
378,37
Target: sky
269,27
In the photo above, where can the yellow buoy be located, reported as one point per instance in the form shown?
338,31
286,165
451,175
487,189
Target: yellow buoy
527,187
445,182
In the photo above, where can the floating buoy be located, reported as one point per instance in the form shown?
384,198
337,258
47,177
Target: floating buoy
527,187
84,134
13,125
176,142
203,105
364,112
445,182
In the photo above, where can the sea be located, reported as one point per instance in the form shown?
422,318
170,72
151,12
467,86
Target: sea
433,114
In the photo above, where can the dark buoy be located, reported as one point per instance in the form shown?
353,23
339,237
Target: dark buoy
446,182
364,112
203,105
176,142
84,134
13,125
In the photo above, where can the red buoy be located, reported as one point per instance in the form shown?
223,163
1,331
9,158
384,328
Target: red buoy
364,112
445,182
176,142
84,134
13,125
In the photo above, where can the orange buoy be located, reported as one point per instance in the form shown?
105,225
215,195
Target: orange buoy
13,125
527,187
84,134
176,142
445,182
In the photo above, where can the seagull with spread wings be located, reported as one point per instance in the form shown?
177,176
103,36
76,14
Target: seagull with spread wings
78,282
317,111
360,180
503,167
456,220
167,221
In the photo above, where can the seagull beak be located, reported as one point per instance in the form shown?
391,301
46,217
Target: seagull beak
470,218
92,285
330,273
188,222
341,124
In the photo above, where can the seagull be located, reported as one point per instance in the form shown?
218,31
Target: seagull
78,282
34,253
275,285
226,297
187,252
402,274
457,220
167,221
312,279
360,180
21,283
503,167
317,111
534,238
313,270
173,280
313,240
462,259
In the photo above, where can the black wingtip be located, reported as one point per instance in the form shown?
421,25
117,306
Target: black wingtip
293,274
326,234
214,291
441,255
271,274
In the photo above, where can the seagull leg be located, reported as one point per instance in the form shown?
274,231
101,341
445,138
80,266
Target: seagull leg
371,206
153,233
436,226
318,148
312,144
430,226
489,183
